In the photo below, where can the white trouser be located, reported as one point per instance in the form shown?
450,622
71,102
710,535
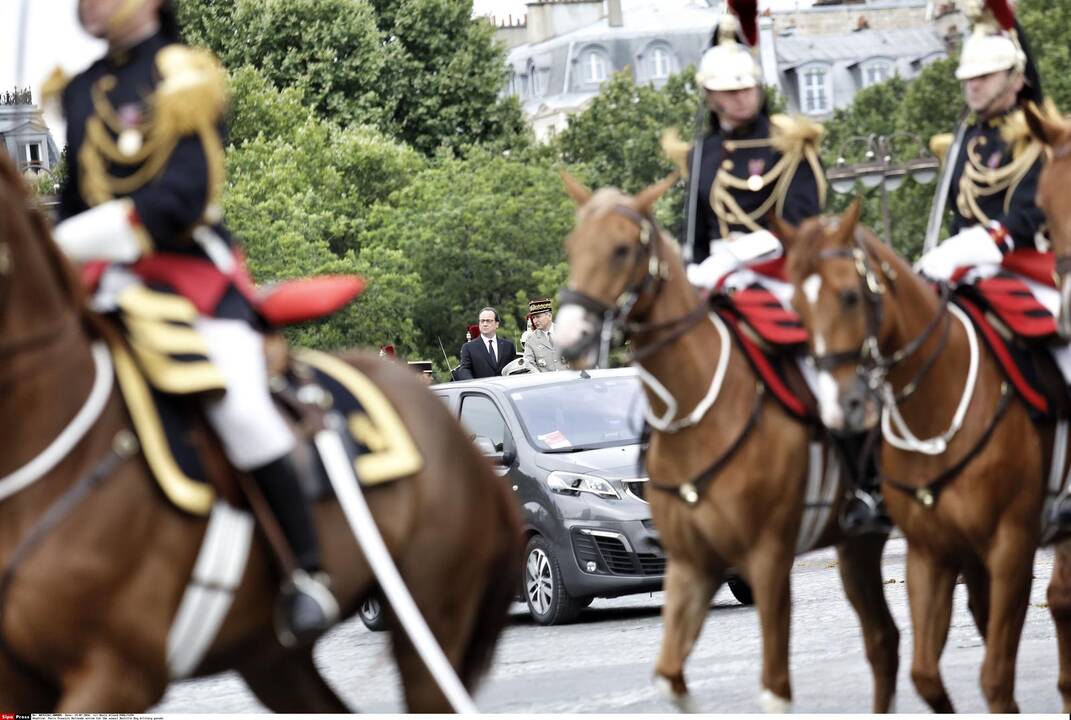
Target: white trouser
1049,297
245,418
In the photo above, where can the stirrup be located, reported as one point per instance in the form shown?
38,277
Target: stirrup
305,608
864,513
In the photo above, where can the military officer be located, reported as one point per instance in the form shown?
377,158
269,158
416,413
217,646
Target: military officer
540,355
145,153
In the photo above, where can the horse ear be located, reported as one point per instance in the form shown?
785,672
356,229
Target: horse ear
785,231
1042,127
646,198
850,218
577,191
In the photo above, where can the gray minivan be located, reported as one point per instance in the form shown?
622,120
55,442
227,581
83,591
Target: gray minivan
568,444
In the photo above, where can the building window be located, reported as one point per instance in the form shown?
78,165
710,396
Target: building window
816,91
33,153
660,62
539,81
594,67
876,72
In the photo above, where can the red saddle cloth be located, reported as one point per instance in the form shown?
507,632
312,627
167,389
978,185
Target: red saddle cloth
761,311
1010,299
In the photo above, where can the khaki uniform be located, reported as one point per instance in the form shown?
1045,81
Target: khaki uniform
540,355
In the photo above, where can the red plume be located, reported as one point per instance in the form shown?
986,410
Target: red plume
1002,12
748,13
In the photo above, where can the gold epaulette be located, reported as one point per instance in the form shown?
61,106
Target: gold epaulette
54,85
791,135
940,145
676,150
192,94
1015,131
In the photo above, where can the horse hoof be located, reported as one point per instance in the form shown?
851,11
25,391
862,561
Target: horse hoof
772,703
683,702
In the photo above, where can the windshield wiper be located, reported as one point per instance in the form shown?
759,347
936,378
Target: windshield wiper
562,451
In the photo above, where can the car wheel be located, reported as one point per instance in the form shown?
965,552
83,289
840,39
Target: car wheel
373,612
549,603
741,590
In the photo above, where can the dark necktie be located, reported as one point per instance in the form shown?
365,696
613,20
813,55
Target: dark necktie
491,350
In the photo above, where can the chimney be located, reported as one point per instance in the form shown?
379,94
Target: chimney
613,12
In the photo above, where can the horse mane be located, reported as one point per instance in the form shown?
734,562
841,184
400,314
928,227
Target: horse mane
17,196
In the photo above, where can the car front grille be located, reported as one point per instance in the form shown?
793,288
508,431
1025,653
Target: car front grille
637,487
619,560
652,564
612,556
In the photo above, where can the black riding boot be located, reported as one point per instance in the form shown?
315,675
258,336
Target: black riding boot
864,508
1061,514
306,607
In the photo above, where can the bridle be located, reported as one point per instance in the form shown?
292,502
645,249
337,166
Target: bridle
872,364
618,317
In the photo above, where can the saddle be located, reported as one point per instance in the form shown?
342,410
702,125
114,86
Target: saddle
1017,328
771,338
159,362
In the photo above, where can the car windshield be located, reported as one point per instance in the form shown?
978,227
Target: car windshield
582,414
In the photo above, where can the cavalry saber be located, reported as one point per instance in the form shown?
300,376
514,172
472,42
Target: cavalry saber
348,492
937,209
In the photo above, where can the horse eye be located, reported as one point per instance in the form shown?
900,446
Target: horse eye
621,252
849,298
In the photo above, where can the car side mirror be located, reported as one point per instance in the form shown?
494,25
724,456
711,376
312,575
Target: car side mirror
487,448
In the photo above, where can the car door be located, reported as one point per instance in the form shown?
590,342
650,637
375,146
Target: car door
481,417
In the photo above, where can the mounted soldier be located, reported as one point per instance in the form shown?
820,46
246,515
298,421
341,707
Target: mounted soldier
754,169
997,227
145,139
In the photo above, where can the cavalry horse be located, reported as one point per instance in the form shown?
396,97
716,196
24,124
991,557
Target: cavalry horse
962,465
729,474
87,605
1052,197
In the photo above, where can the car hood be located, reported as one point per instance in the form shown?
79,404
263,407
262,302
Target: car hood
608,463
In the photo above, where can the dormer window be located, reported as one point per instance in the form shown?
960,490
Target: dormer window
594,66
816,89
876,71
656,63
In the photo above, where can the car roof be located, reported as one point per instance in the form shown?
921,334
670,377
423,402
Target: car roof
527,380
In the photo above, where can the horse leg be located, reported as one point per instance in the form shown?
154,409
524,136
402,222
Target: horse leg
106,682
1059,597
860,573
290,683
977,579
688,593
930,584
769,569
1011,572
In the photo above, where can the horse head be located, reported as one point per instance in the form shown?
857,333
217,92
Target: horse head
1055,178
618,263
834,264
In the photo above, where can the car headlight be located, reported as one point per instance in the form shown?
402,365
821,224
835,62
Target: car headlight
575,483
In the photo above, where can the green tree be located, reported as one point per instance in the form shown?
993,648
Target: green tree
1047,24
482,230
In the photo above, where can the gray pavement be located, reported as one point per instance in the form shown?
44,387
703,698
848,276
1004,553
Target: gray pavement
603,662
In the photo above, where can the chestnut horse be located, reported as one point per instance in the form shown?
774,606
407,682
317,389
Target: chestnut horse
963,466
747,510
1052,197
86,616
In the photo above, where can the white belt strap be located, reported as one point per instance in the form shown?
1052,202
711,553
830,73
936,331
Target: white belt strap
666,423
71,435
890,414
823,481
210,592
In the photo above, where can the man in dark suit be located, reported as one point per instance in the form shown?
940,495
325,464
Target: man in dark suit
488,354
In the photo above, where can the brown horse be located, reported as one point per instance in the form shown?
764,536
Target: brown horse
963,466
727,483
1052,197
86,616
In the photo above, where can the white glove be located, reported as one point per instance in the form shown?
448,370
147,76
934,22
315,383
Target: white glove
727,256
973,246
110,231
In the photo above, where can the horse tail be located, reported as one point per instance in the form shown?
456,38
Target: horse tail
492,614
